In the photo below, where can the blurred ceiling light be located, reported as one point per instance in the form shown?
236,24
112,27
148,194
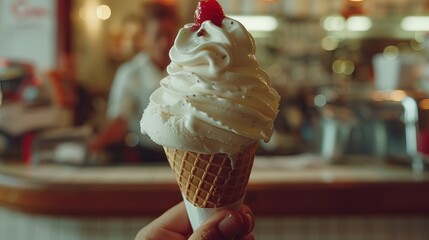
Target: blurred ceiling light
415,23
258,23
354,23
88,14
358,23
103,12
334,23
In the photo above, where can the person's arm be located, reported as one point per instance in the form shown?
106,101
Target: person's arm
113,132
120,105
224,225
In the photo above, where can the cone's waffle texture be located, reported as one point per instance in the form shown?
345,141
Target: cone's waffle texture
209,180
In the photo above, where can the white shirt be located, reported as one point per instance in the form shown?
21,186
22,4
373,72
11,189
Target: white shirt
132,86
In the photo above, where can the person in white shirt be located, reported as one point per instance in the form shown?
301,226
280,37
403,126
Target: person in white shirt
137,79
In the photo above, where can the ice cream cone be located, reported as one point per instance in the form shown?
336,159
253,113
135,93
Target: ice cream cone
211,181
216,99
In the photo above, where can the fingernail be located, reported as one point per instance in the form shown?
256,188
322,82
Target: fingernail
251,221
230,226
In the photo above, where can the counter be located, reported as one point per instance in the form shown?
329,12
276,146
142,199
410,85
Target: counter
297,186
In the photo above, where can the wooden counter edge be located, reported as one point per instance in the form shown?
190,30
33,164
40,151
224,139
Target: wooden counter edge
266,199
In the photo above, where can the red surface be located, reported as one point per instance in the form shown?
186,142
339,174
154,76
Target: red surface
424,142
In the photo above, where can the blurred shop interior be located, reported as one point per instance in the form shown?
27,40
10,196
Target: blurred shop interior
348,158
353,74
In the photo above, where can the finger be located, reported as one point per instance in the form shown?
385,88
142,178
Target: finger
249,237
173,224
248,220
224,225
175,220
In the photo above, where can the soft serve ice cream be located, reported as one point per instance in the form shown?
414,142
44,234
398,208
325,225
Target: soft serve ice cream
216,98
211,111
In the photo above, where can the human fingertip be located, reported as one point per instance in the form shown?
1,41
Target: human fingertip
231,225
249,220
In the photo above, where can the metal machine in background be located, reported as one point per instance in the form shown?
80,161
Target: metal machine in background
382,124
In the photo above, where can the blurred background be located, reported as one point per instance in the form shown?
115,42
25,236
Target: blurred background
61,57
353,76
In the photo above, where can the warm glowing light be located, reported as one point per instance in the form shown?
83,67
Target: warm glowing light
82,13
334,23
337,66
87,13
329,43
354,23
346,67
398,95
391,52
258,23
349,67
358,24
424,104
103,12
415,23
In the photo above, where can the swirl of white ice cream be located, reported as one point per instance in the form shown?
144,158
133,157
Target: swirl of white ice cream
216,98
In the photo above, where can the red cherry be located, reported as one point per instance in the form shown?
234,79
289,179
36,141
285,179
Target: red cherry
208,10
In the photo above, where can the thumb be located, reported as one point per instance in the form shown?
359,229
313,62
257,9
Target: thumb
224,225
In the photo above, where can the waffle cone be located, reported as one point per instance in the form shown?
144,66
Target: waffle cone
210,180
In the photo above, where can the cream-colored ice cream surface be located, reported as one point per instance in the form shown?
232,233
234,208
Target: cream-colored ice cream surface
216,98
